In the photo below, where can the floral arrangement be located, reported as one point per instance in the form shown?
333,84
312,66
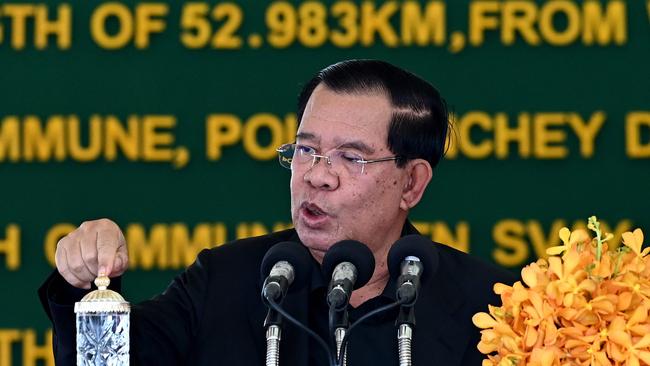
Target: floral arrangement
584,305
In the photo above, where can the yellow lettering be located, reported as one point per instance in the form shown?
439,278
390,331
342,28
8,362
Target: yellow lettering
61,27
9,139
347,14
94,149
32,352
146,252
482,17
545,137
10,246
504,135
602,28
378,21
467,147
185,248
156,145
587,132
19,13
7,337
221,130
247,230
426,29
442,233
40,144
519,17
512,249
146,23
547,27
117,135
634,122
262,120
279,226
423,227
98,25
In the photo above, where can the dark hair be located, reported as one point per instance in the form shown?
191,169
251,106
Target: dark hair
420,121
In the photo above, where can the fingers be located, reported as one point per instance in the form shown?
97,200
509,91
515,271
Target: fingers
107,244
121,260
94,248
66,269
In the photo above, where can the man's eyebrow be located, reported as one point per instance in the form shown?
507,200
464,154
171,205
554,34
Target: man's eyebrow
357,145
306,136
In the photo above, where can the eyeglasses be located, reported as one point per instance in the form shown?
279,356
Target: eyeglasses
292,156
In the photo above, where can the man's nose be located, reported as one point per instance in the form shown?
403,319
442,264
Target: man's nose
321,175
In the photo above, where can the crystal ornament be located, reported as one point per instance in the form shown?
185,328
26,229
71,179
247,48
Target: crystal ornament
102,327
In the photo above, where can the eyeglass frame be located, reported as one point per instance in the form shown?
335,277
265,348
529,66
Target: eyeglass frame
317,157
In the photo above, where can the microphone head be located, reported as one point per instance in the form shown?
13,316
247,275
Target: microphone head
296,255
414,246
354,252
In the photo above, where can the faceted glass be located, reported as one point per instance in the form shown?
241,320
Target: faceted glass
102,339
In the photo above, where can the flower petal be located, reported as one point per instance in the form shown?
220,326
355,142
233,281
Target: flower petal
621,337
565,233
630,240
483,320
529,275
556,250
645,357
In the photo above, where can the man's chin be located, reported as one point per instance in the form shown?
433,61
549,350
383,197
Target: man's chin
316,241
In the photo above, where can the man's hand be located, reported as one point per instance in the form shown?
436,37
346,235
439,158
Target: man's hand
95,247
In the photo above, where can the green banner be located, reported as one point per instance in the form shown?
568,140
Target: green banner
165,116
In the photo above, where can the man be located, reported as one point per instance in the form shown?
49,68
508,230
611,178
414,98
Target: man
369,137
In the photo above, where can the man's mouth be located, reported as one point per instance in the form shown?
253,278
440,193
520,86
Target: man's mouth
313,210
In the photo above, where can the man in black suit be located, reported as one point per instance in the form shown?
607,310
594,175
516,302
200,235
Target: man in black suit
369,137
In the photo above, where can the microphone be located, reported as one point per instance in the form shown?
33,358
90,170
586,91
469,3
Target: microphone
412,259
350,265
285,263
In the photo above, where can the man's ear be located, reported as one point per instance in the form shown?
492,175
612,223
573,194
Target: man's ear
419,176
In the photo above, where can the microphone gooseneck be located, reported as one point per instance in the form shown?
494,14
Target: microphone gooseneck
411,260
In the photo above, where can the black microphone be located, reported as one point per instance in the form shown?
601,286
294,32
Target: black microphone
412,259
286,263
350,265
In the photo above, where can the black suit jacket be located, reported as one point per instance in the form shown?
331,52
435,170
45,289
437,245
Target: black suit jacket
206,317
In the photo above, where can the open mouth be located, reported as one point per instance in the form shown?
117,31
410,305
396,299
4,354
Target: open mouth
313,210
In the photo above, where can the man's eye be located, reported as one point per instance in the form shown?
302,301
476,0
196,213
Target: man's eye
305,150
351,157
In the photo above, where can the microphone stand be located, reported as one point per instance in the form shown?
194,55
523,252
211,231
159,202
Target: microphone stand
405,323
340,324
273,326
